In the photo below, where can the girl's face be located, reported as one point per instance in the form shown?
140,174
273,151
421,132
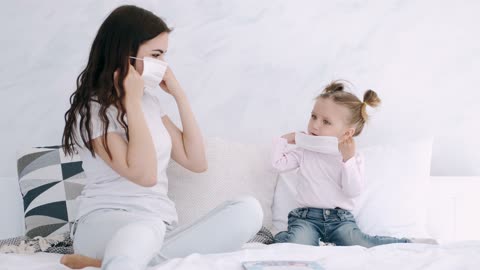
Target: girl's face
329,119
153,48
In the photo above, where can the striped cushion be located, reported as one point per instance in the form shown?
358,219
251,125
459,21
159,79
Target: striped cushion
49,182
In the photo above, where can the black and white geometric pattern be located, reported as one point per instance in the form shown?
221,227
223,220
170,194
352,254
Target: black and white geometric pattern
60,243
264,236
49,182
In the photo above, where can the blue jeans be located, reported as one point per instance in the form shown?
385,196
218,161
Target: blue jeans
308,226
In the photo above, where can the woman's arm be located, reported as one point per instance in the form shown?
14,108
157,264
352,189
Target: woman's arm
188,147
135,160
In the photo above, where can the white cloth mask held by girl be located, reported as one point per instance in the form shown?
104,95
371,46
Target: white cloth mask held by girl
320,144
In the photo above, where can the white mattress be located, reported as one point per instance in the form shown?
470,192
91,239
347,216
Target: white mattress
461,255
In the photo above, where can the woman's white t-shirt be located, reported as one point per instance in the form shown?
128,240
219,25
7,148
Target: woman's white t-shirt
105,188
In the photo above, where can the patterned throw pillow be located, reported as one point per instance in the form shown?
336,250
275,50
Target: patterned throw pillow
49,182
264,236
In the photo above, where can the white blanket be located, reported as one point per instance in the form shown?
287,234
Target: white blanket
461,255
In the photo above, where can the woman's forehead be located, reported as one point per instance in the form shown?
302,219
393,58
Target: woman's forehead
159,42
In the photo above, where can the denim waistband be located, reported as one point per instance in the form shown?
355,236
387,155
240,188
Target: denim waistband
323,213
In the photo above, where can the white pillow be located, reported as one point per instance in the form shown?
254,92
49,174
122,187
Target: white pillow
395,199
284,200
234,169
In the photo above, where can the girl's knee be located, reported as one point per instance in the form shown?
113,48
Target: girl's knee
304,237
348,235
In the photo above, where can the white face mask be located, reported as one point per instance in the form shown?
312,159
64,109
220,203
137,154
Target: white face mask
320,144
153,71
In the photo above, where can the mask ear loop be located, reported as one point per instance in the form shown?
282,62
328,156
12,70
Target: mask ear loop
132,60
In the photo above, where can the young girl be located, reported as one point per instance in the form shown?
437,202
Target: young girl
331,172
125,219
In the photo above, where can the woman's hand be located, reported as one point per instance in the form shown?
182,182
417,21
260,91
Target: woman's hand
169,83
133,85
188,148
290,137
347,148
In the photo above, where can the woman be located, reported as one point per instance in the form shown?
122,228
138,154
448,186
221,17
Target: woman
125,219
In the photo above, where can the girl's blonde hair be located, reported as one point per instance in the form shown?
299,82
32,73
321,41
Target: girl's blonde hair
358,109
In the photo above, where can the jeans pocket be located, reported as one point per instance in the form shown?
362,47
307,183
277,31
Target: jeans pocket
342,215
295,213
348,216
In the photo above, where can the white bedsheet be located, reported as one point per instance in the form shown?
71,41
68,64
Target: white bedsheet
37,261
461,255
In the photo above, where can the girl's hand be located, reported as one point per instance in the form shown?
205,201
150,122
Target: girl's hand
169,83
133,85
347,148
290,137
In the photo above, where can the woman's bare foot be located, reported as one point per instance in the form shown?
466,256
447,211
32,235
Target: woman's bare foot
76,261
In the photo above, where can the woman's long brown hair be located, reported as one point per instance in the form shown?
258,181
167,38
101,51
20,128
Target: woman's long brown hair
118,38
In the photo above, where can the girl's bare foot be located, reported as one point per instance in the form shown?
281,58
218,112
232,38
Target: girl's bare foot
76,261
430,241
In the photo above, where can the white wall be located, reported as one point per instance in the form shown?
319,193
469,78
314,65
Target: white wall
251,68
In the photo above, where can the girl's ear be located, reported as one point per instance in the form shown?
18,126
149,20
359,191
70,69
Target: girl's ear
349,132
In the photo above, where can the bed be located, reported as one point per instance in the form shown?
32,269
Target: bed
440,207
458,255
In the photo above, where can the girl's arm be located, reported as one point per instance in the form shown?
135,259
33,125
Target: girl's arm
352,172
282,158
188,147
353,176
